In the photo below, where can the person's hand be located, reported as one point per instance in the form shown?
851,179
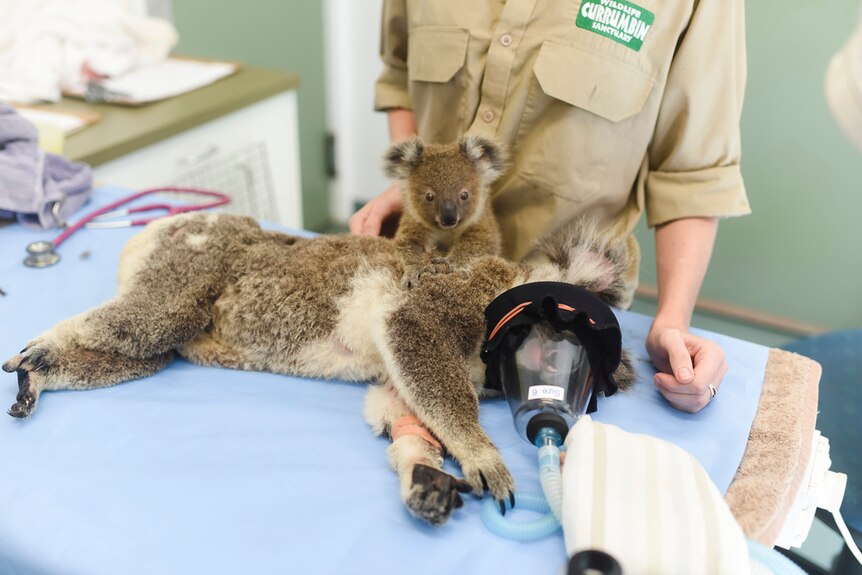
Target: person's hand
687,366
372,218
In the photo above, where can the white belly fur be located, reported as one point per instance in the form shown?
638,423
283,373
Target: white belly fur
351,352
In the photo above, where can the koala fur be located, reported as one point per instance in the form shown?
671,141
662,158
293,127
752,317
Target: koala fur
218,290
447,201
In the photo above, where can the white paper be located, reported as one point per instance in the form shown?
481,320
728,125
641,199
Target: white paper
169,78
65,123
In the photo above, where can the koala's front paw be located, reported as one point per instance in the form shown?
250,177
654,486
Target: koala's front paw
38,354
31,359
440,265
487,471
413,276
434,494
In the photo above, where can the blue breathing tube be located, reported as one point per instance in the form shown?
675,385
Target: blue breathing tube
550,504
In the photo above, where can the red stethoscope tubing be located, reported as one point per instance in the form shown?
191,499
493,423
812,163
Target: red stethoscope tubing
221,199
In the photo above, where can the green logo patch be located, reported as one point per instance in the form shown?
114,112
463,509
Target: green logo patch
618,20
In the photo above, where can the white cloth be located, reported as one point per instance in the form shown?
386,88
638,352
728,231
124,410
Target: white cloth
46,44
648,503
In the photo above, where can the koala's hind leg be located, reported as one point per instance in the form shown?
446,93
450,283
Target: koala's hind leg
138,327
428,492
125,338
206,350
53,364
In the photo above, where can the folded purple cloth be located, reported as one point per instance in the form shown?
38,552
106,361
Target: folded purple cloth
37,188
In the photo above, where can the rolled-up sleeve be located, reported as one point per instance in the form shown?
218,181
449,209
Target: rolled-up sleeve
391,90
695,153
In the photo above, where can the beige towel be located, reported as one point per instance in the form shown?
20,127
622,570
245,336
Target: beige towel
779,446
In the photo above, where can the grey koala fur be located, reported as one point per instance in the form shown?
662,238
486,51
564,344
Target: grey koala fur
220,291
447,218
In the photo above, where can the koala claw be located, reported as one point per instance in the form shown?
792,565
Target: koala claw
484,481
502,503
32,360
26,399
490,474
434,494
437,266
18,411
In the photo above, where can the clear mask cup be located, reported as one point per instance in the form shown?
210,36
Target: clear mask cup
548,373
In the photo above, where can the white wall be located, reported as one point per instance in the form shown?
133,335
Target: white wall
352,66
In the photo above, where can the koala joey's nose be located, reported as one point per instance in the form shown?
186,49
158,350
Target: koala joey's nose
448,214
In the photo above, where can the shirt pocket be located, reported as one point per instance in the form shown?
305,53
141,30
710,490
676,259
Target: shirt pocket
435,65
581,103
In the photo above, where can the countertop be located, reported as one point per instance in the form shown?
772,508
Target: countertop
121,130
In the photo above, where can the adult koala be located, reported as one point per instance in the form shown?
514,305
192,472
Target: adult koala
218,290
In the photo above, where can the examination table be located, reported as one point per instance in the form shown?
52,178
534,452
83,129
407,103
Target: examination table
207,470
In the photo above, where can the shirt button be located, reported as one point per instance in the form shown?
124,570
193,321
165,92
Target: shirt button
488,116
506,40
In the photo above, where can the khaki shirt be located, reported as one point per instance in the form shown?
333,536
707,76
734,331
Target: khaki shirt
608,107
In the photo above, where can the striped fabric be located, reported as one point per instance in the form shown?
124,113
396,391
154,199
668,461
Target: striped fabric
648,503
33,182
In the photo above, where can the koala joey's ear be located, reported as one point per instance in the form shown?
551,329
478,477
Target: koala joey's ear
488,157
402,159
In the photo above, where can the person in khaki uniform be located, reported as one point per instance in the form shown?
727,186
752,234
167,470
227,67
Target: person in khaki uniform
609,108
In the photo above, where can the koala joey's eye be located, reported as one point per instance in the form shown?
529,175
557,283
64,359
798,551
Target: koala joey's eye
429,196
465,195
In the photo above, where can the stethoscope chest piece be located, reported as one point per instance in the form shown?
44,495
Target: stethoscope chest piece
41,255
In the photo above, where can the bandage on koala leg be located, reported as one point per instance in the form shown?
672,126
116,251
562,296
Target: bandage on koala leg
430,493
410,425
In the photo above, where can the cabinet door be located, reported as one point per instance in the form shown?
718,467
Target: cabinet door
251,154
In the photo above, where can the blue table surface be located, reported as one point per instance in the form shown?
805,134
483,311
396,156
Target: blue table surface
206,470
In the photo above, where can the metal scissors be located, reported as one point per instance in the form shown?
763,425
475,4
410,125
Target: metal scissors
43,253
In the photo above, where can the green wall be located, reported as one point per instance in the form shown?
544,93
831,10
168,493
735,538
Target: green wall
280,34
799,254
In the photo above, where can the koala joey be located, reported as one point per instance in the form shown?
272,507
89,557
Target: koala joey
220,291
447,219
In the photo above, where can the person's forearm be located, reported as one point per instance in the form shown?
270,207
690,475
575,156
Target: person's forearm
402,125
683,249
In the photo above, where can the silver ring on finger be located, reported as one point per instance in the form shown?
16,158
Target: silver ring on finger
712,391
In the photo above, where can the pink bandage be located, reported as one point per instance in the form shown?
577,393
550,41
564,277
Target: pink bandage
409,425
